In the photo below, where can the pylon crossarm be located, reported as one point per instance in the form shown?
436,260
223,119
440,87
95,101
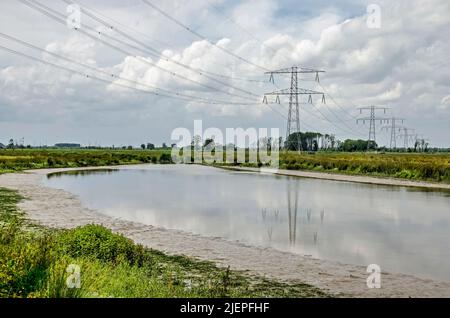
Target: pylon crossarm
300,91
296,69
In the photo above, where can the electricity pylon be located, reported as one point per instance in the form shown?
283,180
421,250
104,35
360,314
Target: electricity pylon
293,120
393,128
406,135
372,118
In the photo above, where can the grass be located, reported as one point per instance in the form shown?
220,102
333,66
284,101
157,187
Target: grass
411,166
34,262
426,167
420,167
21,159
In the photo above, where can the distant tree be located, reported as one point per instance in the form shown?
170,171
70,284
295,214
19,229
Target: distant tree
143,146
208,141
196,142
164,145
130,147
307,141
150,146
315,145
351,145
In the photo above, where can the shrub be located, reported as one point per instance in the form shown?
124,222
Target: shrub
100,243
165,158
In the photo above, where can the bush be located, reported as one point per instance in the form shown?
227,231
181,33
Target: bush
100,243
165,158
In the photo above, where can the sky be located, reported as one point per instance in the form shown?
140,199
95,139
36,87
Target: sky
397,57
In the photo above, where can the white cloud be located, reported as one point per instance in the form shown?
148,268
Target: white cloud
402,64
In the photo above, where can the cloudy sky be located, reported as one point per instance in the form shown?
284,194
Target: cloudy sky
404,65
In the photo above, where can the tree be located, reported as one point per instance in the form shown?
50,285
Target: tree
143,146
208,141
315,145
351,145
196,142
150,146
164,145
308,141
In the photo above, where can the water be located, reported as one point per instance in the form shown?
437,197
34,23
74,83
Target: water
401,229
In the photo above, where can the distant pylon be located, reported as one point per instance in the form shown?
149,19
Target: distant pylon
406,136
372,118
393,127
293,119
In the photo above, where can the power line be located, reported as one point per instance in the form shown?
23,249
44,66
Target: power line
372,118
337,104
393,128
90,76
251,35
406,136
293,120
202,37
165,44
310,100
158,54
347,131
113,76
37,6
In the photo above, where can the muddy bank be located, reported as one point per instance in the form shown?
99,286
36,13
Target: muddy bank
346,178
60,209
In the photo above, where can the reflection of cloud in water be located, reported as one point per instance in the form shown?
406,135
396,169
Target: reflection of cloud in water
399,229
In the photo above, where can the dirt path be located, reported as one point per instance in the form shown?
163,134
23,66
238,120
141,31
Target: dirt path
60,209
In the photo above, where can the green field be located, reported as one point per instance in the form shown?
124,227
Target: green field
412,166
425,167
34,262
22,159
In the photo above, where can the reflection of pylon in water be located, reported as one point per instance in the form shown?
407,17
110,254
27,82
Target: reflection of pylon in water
308,214
292,210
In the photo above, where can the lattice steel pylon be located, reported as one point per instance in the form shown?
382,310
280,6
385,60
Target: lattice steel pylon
293,118
406,135
294,114
372,118
393,128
